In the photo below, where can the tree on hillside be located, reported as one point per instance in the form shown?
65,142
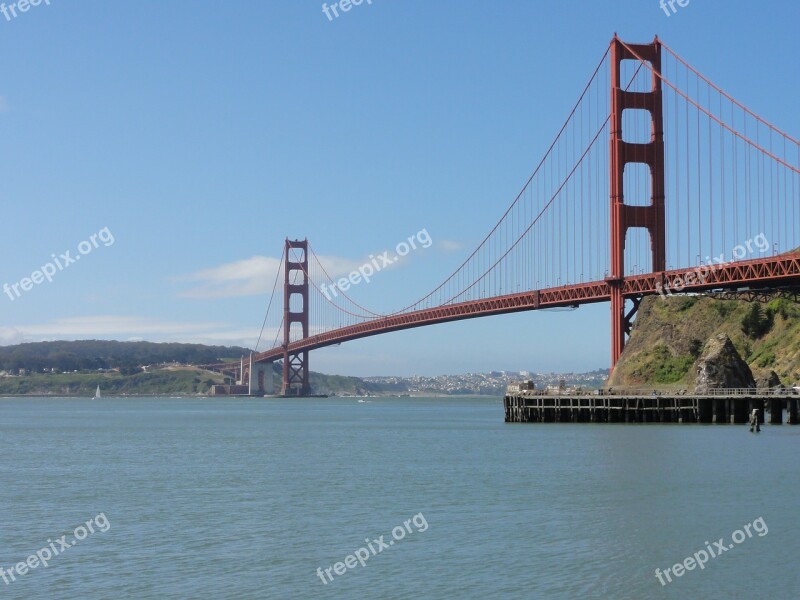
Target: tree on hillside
757,322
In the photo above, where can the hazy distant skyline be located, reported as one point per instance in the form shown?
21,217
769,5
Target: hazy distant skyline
200,139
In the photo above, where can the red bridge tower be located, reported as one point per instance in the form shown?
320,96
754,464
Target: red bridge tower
625,216
295,364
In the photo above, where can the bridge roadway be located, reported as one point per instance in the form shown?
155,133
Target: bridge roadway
765,273
645,406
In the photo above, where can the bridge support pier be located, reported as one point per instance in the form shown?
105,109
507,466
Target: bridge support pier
259,378
617,323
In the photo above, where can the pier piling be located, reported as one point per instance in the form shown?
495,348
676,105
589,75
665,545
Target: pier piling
722,407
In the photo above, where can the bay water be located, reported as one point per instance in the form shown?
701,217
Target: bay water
255,498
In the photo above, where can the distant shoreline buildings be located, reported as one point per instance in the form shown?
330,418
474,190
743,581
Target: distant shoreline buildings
490,383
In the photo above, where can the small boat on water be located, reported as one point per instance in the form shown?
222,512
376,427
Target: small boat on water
97,395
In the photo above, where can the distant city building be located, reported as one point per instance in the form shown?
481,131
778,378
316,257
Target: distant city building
491,384
521,386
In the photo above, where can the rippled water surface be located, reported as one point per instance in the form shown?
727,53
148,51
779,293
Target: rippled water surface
239,499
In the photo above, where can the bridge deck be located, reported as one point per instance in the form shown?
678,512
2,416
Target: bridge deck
765,273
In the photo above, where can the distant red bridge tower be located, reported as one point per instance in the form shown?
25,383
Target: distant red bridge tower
295,364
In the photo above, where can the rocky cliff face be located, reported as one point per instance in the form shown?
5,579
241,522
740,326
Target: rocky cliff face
720,366
670,334
767,379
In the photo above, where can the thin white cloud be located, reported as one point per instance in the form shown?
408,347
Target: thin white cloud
129,328
250,277
450,245
11,335
336,266
253,276
105,325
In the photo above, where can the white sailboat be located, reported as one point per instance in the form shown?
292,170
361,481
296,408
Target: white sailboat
97,395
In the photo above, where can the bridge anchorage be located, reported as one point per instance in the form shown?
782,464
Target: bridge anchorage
657,181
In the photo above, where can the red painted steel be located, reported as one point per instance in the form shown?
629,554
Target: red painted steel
625,216
780,273
772,272
295,361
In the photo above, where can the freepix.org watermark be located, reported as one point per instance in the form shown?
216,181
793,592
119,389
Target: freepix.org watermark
671,4
59,263
700,274
344,6
701,557
376,546
46,554
11,9
367,270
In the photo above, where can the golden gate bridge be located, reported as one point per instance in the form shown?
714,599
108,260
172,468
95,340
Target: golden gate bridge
658,179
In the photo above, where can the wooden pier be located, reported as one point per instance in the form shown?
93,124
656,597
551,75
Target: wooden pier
722,407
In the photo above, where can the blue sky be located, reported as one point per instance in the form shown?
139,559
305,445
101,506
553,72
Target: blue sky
202,134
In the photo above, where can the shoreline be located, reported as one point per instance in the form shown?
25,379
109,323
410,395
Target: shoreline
178,395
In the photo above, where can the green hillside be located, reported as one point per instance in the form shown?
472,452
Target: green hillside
183,380
64,356
77,368
669,334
